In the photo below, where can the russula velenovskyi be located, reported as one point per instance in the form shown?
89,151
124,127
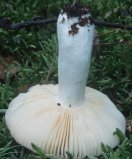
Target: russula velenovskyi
68,116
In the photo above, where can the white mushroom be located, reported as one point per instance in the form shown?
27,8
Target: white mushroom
68,116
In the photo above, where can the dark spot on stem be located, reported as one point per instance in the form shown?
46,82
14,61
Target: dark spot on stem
63,19
58,104
83,21
74,29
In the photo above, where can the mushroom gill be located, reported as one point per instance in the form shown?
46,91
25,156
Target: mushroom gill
37,119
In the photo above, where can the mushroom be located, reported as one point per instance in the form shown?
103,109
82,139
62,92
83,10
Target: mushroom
68,116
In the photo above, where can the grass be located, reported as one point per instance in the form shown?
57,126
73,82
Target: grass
34,52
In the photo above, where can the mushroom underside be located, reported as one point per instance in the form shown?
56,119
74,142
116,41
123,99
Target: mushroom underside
37,117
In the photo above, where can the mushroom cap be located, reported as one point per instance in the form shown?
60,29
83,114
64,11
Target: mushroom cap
35,117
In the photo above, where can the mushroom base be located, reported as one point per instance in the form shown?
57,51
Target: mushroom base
35,117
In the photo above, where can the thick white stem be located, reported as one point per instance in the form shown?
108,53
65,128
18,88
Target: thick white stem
75,47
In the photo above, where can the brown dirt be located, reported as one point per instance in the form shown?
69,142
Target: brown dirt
75,10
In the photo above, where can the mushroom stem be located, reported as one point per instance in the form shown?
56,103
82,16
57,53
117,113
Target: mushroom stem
75,47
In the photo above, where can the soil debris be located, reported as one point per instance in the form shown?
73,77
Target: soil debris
75,10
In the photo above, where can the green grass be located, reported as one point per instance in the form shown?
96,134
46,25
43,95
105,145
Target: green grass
35,52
